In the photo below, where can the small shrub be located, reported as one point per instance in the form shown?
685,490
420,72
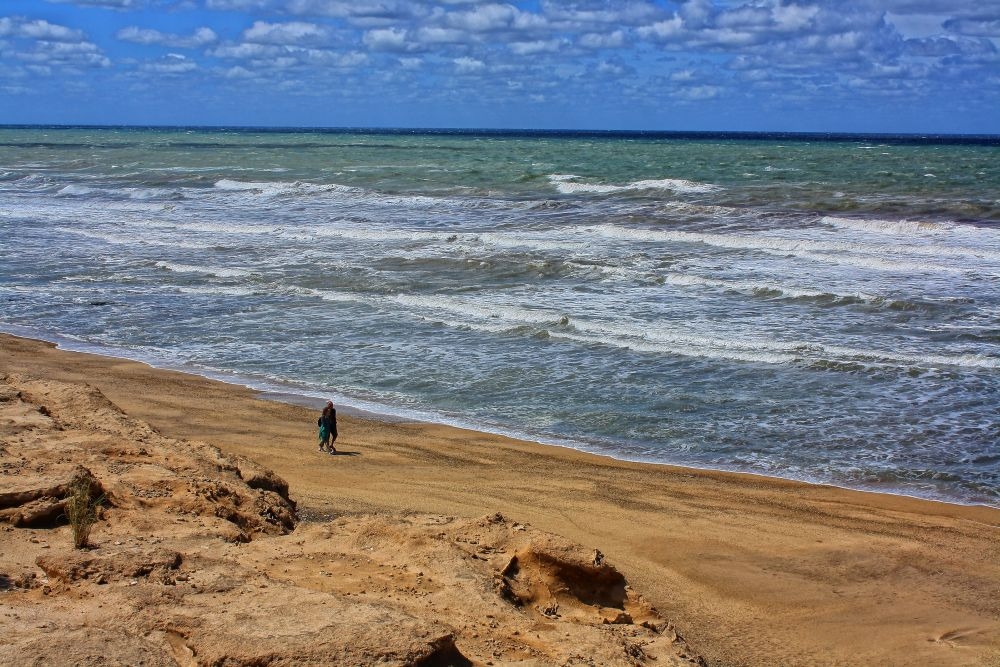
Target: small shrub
81,510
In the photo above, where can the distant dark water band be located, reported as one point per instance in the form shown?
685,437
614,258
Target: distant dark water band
613,135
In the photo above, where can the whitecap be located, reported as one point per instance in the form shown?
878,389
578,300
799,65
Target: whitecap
278,188
216,290
75,190
872,256
570,184
220,272
898,227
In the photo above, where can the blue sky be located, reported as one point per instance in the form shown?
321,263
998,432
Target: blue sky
792,65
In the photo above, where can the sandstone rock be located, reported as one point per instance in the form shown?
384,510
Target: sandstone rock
200,558
71,567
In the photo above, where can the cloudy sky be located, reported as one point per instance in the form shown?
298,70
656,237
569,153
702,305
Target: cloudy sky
794,65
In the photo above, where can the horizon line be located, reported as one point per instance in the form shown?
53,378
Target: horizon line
500,131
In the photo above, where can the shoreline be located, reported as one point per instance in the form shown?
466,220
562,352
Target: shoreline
752,571
376,412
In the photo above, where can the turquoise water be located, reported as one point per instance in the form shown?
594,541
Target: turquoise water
825,309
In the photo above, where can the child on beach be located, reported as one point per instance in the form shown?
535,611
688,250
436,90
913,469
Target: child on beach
327,423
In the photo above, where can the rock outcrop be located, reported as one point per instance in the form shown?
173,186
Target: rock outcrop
199,558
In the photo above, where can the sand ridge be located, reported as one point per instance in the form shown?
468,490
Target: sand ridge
750,570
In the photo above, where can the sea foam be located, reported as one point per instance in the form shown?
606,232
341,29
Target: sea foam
569,184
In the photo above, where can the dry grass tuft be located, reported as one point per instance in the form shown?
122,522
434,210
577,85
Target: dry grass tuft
82,510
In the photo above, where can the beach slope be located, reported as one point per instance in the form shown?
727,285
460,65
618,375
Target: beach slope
475,547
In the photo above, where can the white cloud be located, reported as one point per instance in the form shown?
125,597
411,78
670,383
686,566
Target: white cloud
246,51
792,18
237,5
363,13
610,69
260,57
65,54
484,18
39,29
593,40
697,13
663,31
466,65
387,39
172,63
202,36
199,38
698,93
238,72
746,17
283,62
531,48
580,17
111,4
784,51
295,33
49,45
438,35
845,41
327,58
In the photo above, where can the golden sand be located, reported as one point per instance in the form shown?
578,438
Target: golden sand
750,570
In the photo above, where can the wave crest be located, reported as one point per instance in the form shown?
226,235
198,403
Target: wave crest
569,184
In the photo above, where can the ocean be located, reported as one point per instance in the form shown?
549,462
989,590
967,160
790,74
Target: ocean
814,307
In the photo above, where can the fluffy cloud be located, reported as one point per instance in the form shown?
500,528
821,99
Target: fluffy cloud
612,40
172,63
47,47
199,38
112,4
364,13
769,52
613,69
294,45
295,33
333,59
467,65
596,16
39,29
484,18
65,55
700,24
239,5
238,72
430,35
246,51
387,39
535,47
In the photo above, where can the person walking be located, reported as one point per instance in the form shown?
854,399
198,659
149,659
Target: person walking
327,423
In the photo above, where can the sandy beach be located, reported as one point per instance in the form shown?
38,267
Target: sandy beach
736,569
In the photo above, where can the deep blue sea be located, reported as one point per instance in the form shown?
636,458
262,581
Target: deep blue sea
823,308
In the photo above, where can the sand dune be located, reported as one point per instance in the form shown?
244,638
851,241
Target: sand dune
226,538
